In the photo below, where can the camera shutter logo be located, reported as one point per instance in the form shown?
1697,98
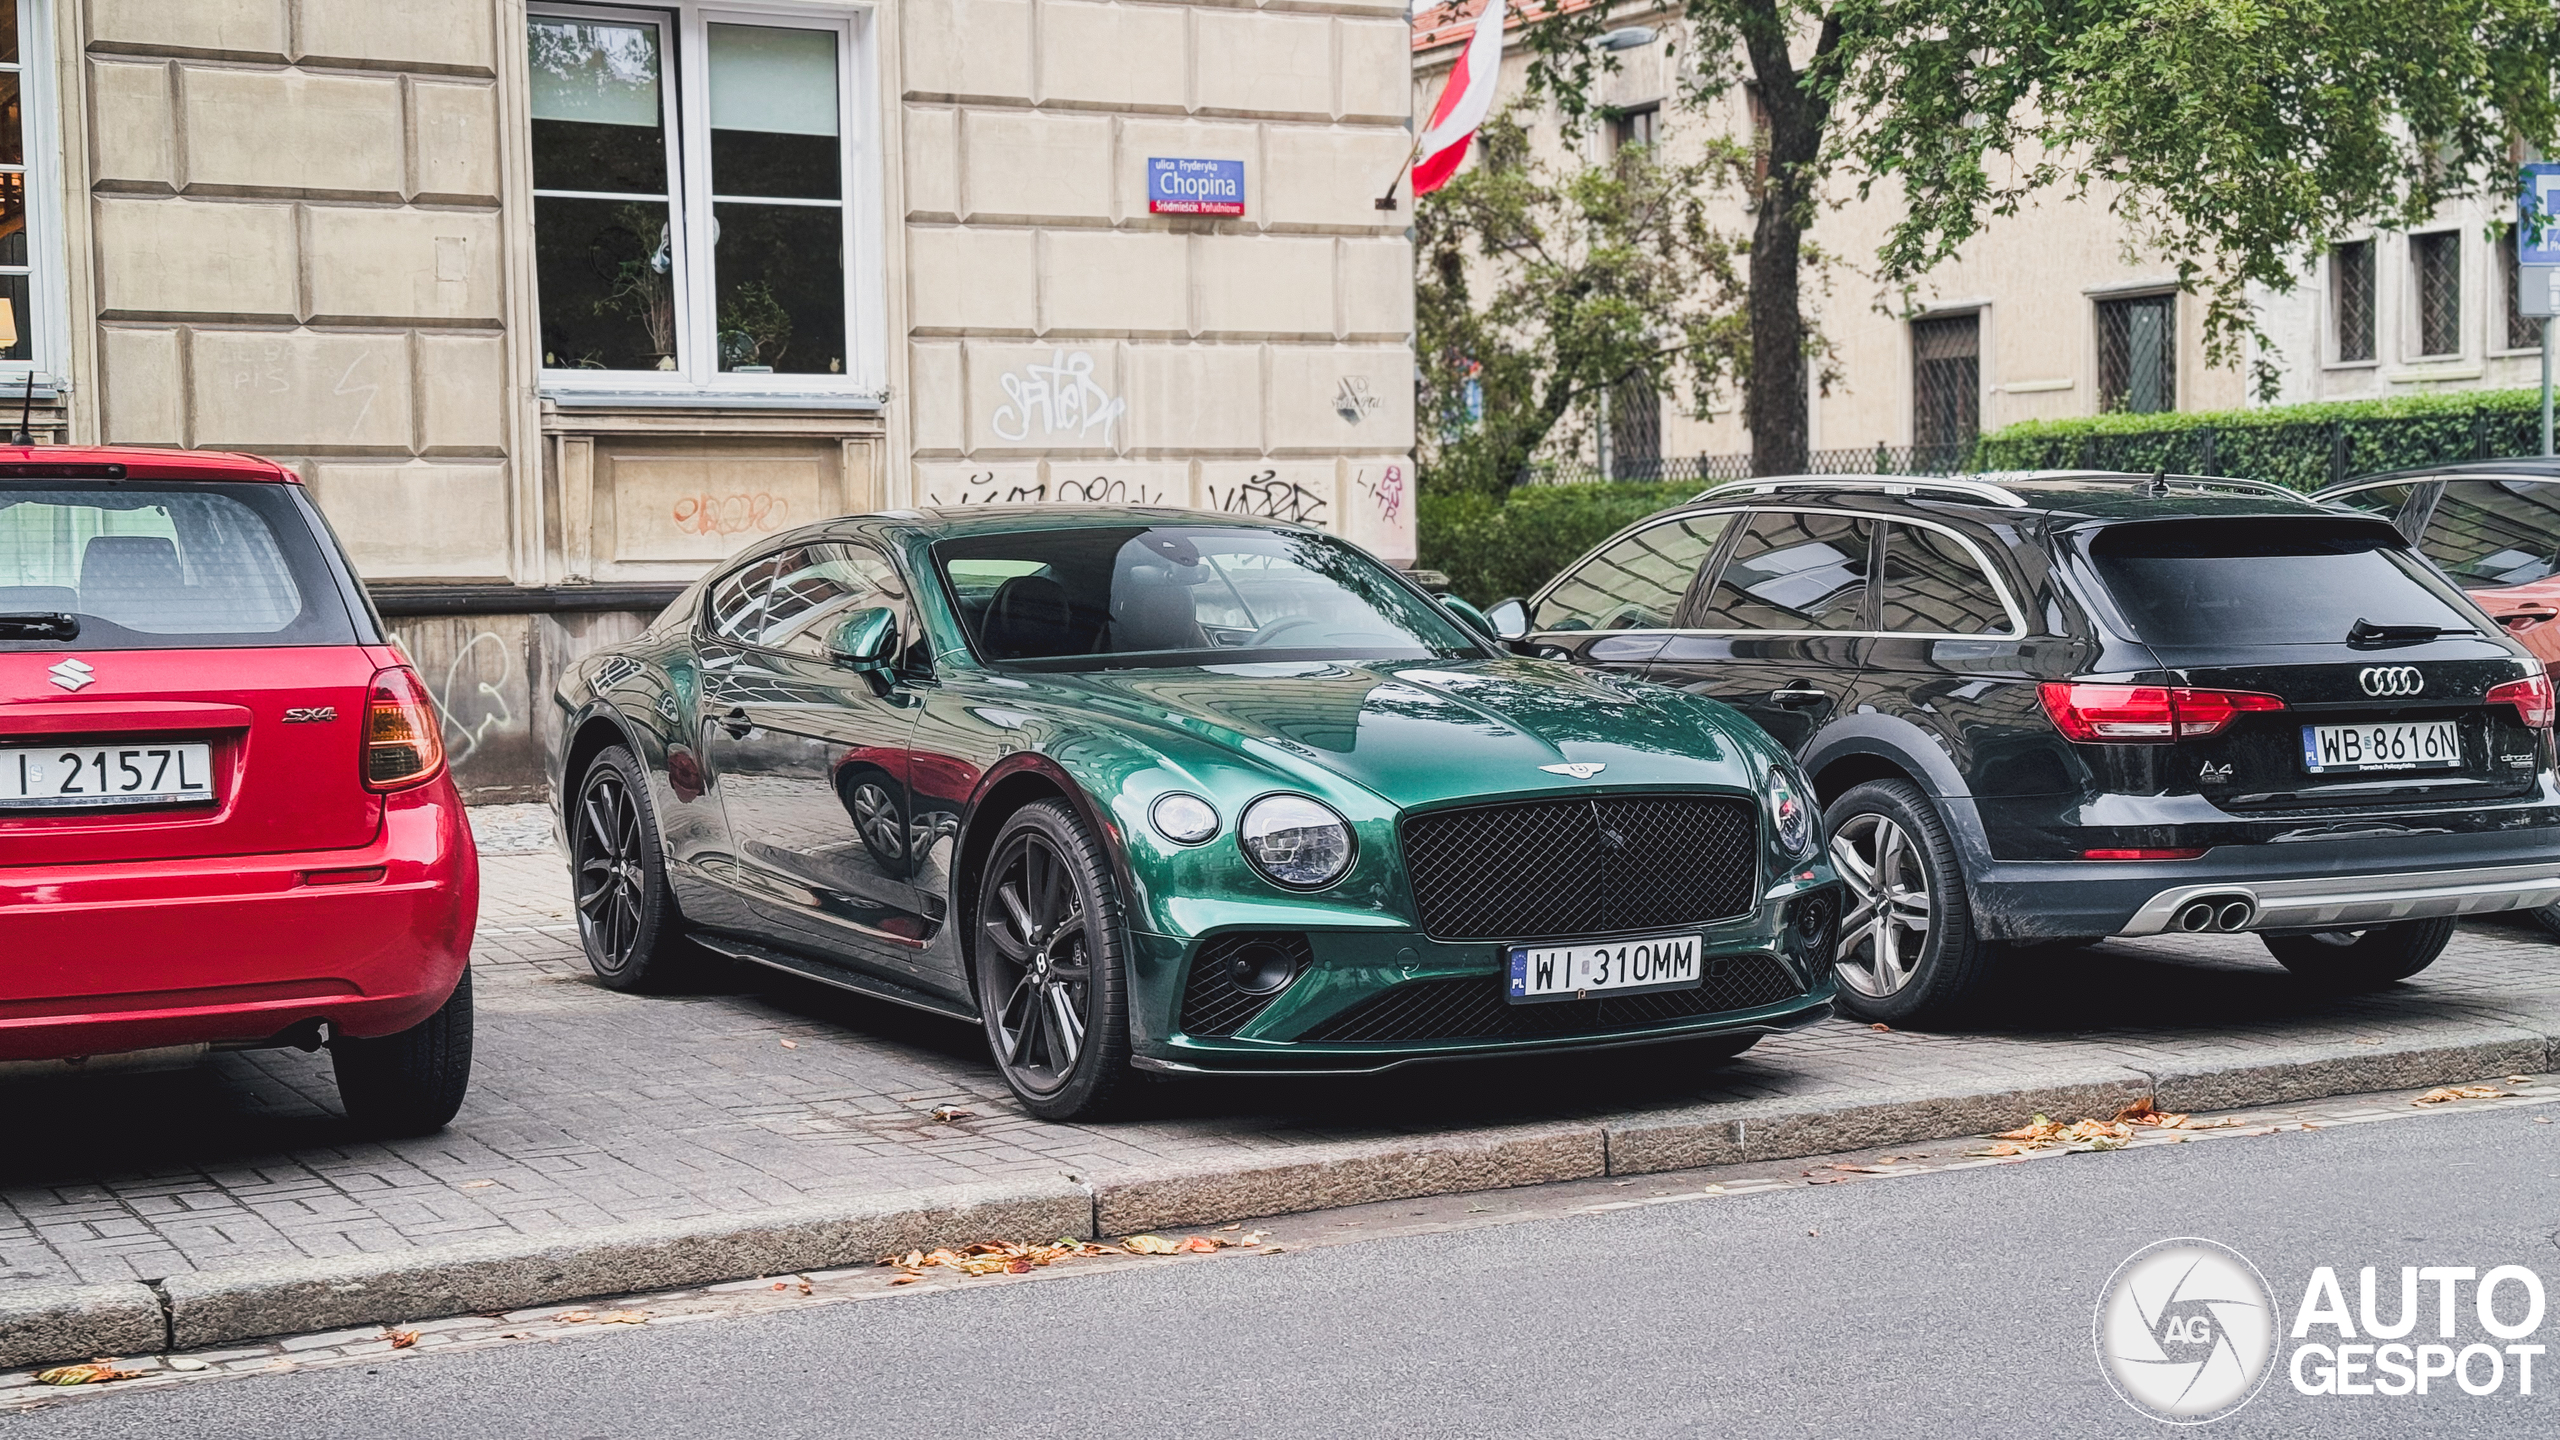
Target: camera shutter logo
2186,1331
2391,681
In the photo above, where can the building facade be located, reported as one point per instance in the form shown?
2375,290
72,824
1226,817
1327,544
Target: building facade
2045,314
554,305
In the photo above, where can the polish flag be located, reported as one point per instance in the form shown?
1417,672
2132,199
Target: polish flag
1464,103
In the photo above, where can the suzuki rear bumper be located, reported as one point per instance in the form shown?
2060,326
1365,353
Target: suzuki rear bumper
240,950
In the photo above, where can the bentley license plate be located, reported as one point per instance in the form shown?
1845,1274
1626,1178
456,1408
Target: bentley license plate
2398,745
154,772
1616,967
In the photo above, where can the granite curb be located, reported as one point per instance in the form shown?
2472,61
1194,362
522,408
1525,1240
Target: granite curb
54,1325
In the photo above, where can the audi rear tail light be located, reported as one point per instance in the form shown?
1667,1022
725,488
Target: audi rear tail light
2145,714
2531,696
403,740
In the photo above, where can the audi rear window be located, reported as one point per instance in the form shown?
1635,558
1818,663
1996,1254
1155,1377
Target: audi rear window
2291,581
138,565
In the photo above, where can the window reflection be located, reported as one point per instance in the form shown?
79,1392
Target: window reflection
776,139
604,252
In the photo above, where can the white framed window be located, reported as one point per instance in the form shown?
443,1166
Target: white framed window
34,291
705,205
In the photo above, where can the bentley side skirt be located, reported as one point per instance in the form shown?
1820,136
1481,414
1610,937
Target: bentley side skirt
842,977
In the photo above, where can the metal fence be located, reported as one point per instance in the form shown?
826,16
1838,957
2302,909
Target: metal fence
1706,470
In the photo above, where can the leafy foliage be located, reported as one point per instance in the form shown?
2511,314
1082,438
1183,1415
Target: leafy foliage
1492,548
1544,284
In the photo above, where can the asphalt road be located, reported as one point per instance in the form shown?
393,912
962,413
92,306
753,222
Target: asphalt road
1945,1304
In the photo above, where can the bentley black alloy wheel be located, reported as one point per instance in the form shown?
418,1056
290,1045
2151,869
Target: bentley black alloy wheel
1049,958
627,916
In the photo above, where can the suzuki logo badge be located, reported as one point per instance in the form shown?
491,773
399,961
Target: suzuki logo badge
1579,769
72,674
2394,681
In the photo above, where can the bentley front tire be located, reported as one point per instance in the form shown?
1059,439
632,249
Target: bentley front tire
627,918
1051,965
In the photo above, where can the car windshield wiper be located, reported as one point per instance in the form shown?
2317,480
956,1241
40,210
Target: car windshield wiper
39,625
2365,635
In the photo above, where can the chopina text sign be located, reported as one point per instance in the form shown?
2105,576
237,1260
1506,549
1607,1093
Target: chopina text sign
1194,187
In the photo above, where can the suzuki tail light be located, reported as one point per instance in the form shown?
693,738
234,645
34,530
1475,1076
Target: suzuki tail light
403,741
2531,696
2145,714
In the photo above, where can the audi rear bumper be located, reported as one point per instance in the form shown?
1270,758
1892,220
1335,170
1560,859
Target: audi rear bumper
2352,901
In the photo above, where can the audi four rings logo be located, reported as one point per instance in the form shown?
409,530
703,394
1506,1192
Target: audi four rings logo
2391,680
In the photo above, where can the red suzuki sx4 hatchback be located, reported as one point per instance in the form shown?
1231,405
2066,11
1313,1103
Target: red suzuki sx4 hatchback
225,821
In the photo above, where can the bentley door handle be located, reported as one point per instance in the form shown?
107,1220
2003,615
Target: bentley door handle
737,724
1798,696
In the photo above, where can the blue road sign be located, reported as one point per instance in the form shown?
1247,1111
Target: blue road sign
2539,211
1194,187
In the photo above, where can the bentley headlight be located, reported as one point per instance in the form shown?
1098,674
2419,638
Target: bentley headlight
1789,812
1183,819
1295,841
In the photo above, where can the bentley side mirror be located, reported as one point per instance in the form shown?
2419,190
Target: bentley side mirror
865,643
1470,615
1510,618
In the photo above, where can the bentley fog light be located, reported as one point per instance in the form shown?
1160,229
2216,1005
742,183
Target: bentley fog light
1295,842
1183,819
1788,811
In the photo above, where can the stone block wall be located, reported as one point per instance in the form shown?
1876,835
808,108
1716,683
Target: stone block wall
296,250
1065,344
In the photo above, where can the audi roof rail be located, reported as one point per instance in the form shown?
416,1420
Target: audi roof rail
1883,484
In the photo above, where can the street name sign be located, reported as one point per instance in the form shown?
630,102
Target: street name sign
1195,187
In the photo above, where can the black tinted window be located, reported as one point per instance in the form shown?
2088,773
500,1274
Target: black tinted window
139,565
2295,581
1793,571
1637,583
1933,586
2488,533
1101,597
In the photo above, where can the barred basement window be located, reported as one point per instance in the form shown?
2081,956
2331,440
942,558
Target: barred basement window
694,187
1946,383
1635,430
2138,354
2437,259
2524,332
2351,298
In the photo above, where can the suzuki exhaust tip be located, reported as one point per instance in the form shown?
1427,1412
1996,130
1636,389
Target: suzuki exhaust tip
2234,915
2197,915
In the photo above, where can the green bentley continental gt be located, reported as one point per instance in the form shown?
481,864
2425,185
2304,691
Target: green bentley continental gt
1155,791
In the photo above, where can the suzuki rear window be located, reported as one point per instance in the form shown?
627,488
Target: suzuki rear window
137,566
2293,581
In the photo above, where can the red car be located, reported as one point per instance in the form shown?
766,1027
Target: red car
225,821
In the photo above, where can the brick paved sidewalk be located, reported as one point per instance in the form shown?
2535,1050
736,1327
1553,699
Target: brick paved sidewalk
591,1108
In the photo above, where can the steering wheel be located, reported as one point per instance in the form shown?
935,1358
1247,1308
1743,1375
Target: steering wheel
1280,627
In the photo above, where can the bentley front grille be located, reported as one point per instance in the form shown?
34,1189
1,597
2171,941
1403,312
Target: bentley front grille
1580,869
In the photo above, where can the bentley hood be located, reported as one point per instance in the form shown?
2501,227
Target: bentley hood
1421,732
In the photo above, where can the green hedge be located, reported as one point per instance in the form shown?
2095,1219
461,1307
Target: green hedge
2305,446
1493,548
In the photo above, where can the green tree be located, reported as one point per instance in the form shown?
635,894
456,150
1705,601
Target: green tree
1544,284
2232,137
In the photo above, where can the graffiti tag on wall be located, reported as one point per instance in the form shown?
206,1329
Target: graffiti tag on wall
730,514
1059,398
984,488
1268,497
1385,489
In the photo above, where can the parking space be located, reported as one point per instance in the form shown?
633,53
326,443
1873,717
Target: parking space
591,1108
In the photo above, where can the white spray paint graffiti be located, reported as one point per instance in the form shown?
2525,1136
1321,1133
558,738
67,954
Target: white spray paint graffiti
458,694
1059,398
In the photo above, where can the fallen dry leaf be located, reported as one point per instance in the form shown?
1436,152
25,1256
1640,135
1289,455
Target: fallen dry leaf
478,1184
909,1278
790,1044
1199,1245
400,1339
2443,1093
953,1114
781,1284
1147,1245
2519,1079
1881,1026
1236,1226
622,1317
986,1257
806,1288
576,1317
95,1373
